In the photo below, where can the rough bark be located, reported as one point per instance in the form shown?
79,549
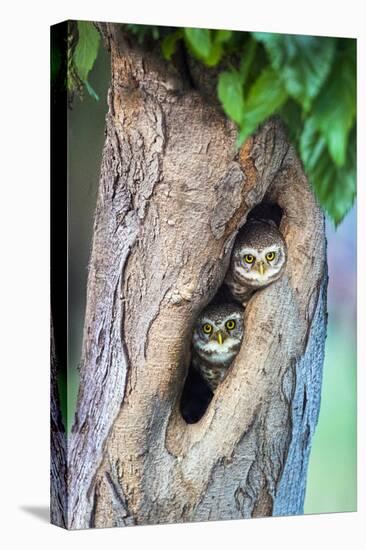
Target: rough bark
58,465
173,194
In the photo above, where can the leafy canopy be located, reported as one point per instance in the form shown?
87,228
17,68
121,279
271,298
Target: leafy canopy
309,81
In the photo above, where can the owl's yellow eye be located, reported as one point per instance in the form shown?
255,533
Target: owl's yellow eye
249,258
270,256
230,325
207,328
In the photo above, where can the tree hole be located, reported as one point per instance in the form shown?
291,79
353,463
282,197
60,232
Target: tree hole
197,395
195,398
266,211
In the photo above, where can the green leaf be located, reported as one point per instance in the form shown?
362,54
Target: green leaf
200,41
169,44
143,32
86,49
230,92
334,110
291,115
265,97
247,59
303,62
222,36
207,45
91,91
335,187
215,55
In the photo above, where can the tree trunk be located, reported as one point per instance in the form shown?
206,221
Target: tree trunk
58,463
173,194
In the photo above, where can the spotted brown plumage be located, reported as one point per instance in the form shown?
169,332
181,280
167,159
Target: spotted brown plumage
216,340
258,259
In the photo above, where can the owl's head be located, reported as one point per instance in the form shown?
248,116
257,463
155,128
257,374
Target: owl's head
259,254
218,333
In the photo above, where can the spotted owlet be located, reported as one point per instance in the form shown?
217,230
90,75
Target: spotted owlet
258,258
217,336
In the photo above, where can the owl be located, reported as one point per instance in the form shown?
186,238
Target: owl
216,340
258,258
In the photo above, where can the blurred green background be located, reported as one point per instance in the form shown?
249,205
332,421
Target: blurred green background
332,472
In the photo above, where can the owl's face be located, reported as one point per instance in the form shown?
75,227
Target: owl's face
259,254
218,333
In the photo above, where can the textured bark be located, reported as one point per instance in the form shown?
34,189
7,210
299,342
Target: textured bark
173,194
58,473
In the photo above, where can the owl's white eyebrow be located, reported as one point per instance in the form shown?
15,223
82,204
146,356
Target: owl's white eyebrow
205,320
233,315
270,248
254,251
248,250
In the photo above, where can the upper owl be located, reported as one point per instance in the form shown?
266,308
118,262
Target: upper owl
258,258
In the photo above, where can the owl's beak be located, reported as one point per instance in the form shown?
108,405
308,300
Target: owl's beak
261,268
219,337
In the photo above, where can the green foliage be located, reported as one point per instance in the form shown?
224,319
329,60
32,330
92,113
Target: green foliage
310,82
231,94
206,45
335,186
335,109
86,50
83,50
142,32
169,44
302,63
265,97
200,42
292,115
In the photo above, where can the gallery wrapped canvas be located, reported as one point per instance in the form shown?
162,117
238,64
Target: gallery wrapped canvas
190,187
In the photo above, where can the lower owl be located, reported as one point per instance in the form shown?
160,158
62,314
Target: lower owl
259,257
217,337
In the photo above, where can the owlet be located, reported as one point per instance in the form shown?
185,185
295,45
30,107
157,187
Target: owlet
217,336
258,258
